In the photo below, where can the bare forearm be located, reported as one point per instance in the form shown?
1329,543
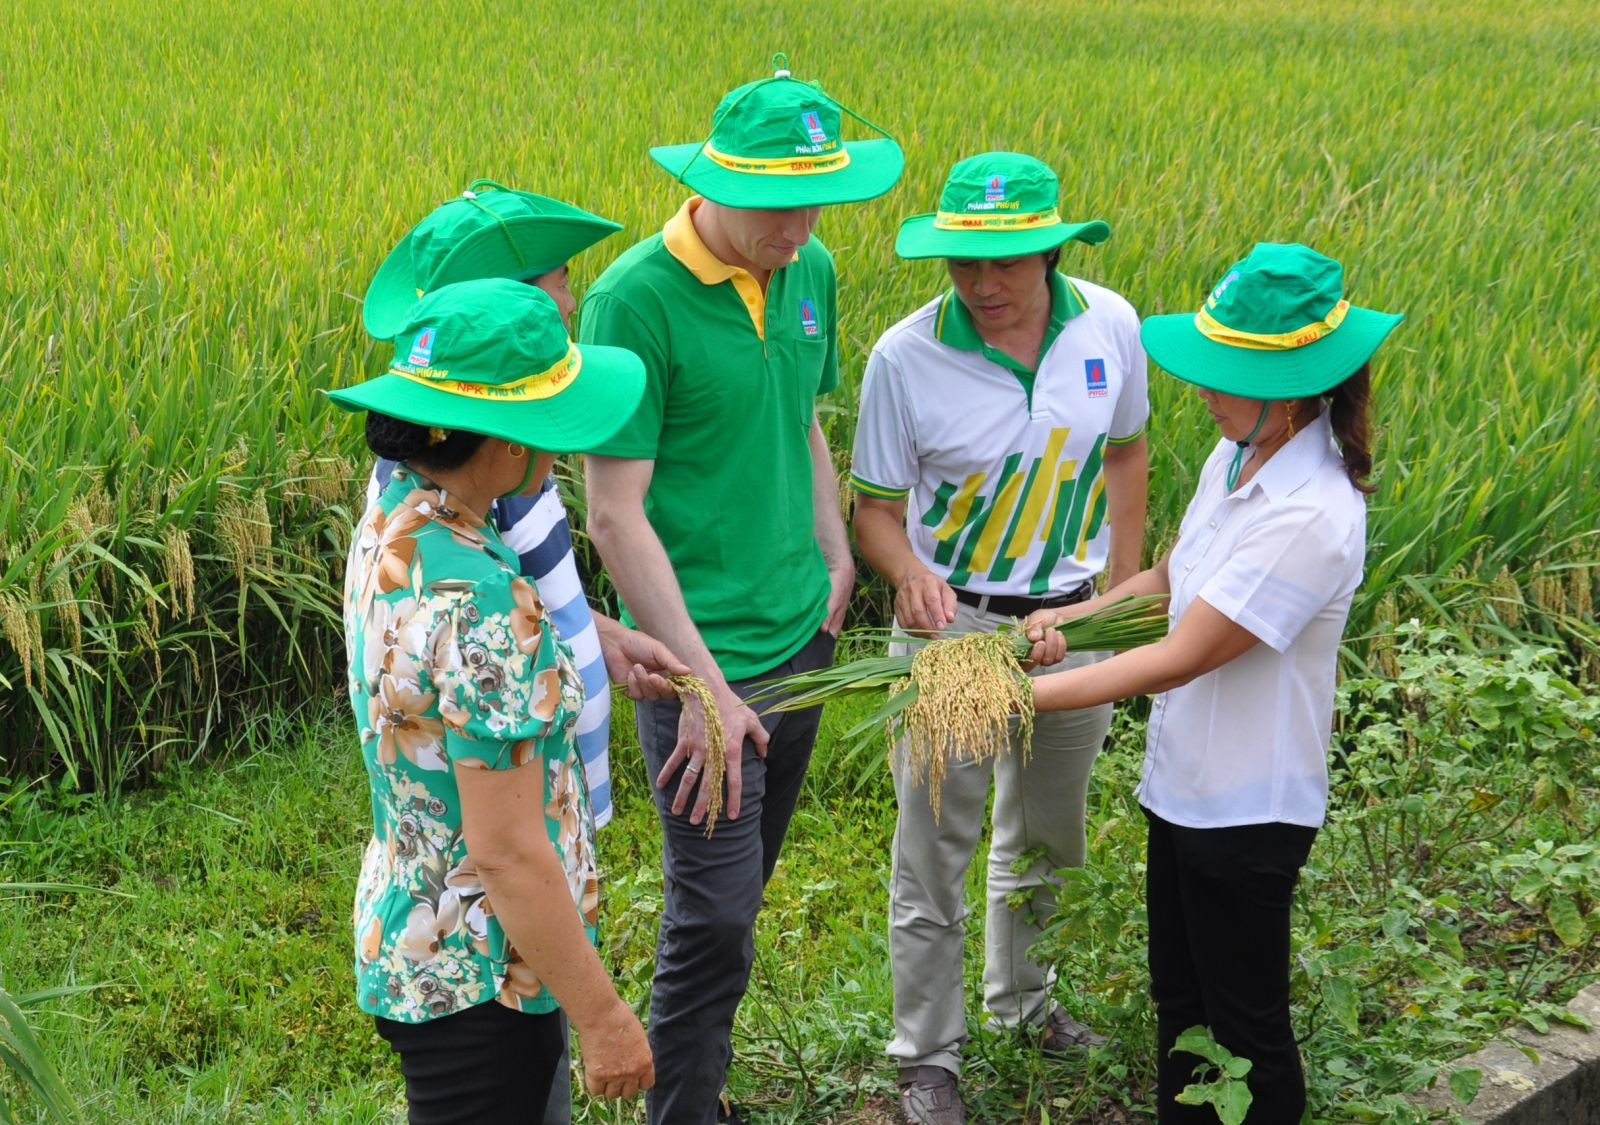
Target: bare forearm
826,517
881,537
532,902
643,575
1139,671
1127,472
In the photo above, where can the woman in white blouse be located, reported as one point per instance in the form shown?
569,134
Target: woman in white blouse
1260,579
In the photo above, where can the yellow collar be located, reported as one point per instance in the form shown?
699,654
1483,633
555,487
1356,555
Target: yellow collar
685,244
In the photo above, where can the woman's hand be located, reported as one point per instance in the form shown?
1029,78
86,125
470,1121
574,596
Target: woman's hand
616,1054
1049,646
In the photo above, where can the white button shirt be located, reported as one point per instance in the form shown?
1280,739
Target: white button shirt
1281,557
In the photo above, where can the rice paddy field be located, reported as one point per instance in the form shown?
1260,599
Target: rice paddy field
196,195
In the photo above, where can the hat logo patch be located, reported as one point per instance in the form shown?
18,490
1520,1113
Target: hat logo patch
994,191
1222,287
808,316
813,125
1094,377
422,349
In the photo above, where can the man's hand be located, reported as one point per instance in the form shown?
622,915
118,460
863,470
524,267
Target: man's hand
616,1054
924,604
640,662
841,587
738,723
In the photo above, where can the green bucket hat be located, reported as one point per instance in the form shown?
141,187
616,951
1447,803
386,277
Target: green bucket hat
492,356
776,143
1277,326
488,231
995,205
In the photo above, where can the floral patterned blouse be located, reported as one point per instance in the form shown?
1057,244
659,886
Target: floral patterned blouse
453,663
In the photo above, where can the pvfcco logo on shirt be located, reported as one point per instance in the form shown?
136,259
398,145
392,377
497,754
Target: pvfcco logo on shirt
1094,377
808,316
421,349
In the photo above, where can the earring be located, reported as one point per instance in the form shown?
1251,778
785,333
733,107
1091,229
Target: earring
517,451
1288,414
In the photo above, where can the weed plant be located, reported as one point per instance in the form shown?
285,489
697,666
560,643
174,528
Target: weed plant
1455,892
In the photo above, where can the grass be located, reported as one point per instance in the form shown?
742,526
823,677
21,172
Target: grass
198,194
1453,894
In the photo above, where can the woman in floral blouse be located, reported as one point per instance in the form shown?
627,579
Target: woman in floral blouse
475,914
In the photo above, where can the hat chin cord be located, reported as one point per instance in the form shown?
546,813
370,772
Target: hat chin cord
1237,464
527,475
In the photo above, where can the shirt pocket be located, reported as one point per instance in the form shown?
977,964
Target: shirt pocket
806,355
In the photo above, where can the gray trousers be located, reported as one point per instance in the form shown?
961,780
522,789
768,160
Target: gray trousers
1038,804
712,890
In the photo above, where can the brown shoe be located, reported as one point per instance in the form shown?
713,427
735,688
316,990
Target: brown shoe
1063,1035
928,1096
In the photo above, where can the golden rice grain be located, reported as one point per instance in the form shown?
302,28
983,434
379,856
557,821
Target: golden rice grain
716,754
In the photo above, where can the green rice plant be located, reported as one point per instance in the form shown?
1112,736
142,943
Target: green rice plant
953,697
189,226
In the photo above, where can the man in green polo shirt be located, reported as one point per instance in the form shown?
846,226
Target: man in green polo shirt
1000,467
716,512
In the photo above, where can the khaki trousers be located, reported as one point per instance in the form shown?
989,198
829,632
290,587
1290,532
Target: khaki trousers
1038,804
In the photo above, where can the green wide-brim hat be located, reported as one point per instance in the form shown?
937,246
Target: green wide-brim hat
488,231
1277,326
776,143
491,356
995,205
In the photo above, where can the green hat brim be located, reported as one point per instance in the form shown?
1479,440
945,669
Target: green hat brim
919,238
547,241
586,413
1178,347
874,167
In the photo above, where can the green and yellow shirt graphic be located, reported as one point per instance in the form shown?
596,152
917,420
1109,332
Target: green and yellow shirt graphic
1001,468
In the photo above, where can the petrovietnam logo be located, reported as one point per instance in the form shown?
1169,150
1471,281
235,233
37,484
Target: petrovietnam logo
994,191
422,349
808,316
813,125
1094,377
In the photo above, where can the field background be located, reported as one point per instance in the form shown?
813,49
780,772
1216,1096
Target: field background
197,193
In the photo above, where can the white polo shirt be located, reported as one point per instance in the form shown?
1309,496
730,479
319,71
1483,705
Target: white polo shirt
1004,482
1281,556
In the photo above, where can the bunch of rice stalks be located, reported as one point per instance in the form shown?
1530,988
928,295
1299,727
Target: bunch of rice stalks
963,693
955,697
716,756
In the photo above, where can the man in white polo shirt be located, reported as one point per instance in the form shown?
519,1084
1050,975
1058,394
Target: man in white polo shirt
1000,463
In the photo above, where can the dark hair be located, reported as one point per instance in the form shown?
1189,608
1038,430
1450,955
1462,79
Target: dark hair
1052,259
398,440
1347,414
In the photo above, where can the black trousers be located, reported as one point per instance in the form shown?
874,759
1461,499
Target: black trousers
1218,904
712,890
483,1065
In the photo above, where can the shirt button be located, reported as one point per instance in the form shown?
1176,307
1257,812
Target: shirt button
1213,523
1188,566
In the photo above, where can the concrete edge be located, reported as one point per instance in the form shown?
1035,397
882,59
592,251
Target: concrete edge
1533,1079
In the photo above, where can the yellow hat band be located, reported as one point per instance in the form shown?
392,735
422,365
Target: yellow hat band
1213,329
779,165
996,220
530,388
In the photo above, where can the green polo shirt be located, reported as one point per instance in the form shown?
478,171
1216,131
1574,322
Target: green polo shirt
731,379
953,326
